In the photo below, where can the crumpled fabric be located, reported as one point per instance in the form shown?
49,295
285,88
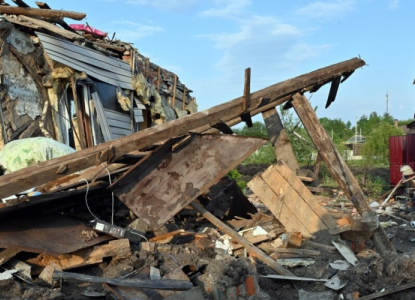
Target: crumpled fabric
23,153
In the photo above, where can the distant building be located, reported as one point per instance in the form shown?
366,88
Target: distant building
354,144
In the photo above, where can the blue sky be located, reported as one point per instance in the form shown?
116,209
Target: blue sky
210,43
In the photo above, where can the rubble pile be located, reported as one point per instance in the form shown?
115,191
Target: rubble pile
148,212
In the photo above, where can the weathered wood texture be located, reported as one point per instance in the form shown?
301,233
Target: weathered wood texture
161,284
36,12
339,170
290,201
279,138
53,28
241,240
46,171
159,187
117,249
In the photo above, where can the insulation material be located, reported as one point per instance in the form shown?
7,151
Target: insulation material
191,107
149,96
22,88
20,154
123,99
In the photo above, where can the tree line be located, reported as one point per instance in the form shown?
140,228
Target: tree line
376,129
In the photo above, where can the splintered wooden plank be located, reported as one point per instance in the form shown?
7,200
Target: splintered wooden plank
305,194
293,200
276,205
117,249
158,188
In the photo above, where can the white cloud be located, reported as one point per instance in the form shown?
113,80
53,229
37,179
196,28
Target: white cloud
393,4
132,31
326,10
168,5
227,8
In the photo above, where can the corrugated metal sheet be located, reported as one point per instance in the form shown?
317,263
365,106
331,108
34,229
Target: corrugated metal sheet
107,69
119,124
397,157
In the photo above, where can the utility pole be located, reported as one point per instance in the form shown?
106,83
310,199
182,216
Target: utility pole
387,98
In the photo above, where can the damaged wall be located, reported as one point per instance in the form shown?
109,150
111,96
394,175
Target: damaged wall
21,98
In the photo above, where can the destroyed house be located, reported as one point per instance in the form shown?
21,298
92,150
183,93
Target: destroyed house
79,87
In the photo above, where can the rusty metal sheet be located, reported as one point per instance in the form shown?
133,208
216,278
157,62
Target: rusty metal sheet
51,234
158,188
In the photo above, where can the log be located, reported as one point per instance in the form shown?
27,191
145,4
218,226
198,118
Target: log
241,240
41,173
341,172
37,12
61,22
279,138
161,284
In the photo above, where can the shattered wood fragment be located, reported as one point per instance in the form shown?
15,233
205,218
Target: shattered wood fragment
159,187
321,246
46,171
241,240
279,139
36,12
161,284
341,172
116,249
7,254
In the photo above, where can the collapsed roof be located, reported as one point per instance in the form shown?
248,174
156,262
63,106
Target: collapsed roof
78,86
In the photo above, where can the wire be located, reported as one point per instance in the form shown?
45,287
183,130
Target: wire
112,195
136,233
86,198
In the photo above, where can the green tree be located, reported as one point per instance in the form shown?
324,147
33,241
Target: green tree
336,128
258,129
376,149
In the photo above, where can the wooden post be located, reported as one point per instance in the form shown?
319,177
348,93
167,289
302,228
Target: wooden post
241,240
341,172
184,97
174,91
279,139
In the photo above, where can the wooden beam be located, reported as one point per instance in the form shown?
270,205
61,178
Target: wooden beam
246,116
59,21
241,240
341,172
279,139
43,172
160,284
36,12
389,291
